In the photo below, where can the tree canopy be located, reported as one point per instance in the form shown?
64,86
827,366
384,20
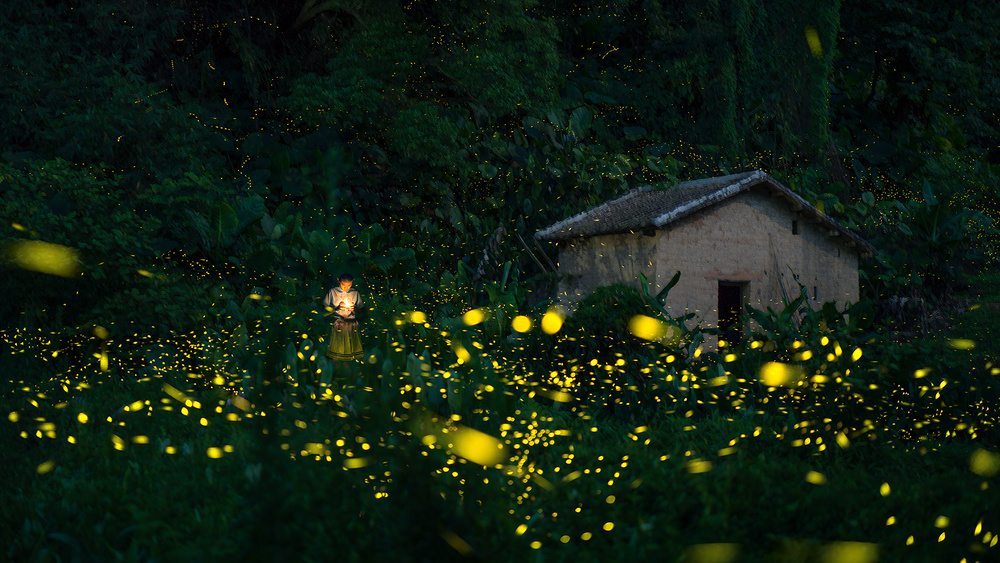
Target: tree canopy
259,141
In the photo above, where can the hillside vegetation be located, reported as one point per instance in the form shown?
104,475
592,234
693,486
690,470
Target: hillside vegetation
182,181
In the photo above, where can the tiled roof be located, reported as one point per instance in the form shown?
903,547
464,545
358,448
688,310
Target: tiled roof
646,208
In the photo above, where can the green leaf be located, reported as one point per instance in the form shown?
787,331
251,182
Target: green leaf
407,200
580,121
634,133
662,295
859,171
929,194
326,372
488,170
506,274
294,183
279,163
868,198
536,128
291,360
248,210
253,144
222,222
653,303
258,180
455,217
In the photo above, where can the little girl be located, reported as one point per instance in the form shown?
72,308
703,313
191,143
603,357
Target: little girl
342,303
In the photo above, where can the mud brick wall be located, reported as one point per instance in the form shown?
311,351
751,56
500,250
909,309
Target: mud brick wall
747,238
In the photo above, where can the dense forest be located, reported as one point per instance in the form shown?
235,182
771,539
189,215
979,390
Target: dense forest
182,181
273,144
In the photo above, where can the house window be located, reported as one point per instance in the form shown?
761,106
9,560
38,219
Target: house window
732,296
795,227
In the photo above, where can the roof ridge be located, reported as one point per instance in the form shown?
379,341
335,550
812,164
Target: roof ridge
689,197
822,216
583,214
724,192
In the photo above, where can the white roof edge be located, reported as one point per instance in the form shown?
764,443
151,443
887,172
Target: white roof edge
720,194
558,227
830,221
753,178
749,181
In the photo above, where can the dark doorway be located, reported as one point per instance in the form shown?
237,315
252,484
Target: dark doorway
731,295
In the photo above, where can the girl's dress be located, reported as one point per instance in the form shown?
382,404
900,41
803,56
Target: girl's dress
345,339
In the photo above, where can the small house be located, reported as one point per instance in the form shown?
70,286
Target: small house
737,240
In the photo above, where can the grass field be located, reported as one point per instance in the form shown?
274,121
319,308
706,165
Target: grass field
981,322
425,458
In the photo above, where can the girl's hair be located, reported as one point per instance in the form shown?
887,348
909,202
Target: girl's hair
346,277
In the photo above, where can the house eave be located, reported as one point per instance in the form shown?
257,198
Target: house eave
558,231
796,201
562,231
